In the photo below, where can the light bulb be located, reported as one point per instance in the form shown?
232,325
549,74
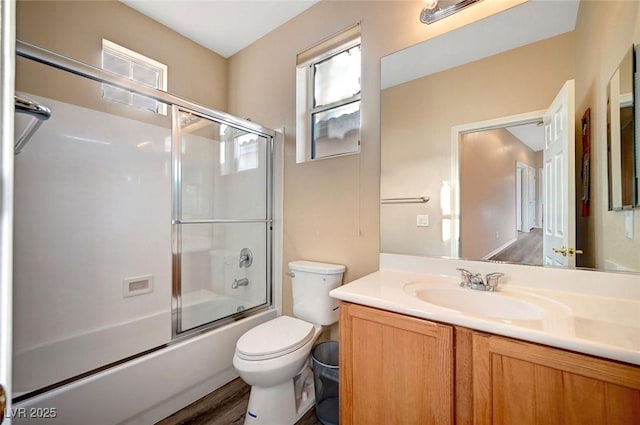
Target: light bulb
430,4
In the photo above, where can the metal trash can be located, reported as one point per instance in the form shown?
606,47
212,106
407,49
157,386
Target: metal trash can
325,378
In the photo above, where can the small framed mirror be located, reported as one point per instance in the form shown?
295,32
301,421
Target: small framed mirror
622,142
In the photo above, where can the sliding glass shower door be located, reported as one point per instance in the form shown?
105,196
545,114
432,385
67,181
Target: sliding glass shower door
221,220
130,227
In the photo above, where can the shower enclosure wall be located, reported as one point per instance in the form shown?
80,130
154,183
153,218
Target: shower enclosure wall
133,230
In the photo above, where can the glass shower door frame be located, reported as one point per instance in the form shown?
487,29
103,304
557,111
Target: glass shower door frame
63,63
177,222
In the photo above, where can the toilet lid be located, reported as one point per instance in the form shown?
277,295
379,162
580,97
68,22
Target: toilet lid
274,338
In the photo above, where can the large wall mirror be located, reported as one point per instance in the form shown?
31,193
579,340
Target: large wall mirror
469,121
622,144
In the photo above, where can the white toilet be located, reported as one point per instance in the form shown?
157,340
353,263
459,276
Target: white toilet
274,357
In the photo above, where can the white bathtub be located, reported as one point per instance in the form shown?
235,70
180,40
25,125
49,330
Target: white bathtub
147,389
196,314
54,361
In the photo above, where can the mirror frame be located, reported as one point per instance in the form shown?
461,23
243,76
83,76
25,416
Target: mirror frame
622,191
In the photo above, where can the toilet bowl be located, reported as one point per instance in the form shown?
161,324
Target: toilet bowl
273,398
273,357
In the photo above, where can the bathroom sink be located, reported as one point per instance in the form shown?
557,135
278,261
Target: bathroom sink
479,303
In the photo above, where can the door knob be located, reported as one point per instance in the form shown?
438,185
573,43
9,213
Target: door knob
562,251
567,251
573,251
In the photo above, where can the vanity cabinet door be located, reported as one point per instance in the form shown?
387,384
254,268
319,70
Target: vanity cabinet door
394,369
515,382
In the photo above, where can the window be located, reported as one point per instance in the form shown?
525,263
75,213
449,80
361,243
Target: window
136,67
328,98
238,150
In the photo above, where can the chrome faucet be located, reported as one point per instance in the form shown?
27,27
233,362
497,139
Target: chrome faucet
239,282
492,280
246,258
474,280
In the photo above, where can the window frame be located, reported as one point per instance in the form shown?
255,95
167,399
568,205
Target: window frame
133,56
305,144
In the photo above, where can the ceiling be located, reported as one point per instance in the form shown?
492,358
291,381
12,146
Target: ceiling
228,26
531,135
223,26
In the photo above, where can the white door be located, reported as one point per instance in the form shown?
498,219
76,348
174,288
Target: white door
531,198
559,178
519,199
7,58
540,196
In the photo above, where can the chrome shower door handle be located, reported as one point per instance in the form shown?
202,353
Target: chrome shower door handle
39,114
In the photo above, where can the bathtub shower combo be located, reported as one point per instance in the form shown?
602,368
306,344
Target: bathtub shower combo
134,229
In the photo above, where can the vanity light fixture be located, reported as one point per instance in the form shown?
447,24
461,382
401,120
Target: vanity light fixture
435,10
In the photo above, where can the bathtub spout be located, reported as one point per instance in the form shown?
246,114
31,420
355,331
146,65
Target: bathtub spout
239,282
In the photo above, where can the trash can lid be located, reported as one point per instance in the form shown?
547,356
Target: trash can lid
274,338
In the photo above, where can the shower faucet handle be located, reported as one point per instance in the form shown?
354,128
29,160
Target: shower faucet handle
246,258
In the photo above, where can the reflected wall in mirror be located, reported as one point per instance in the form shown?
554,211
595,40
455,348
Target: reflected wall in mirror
500,194
487,185
621,147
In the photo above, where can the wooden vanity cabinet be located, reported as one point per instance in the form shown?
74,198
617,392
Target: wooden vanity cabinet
396,369
516,382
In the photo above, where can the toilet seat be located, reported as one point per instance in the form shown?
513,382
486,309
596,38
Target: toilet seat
274,338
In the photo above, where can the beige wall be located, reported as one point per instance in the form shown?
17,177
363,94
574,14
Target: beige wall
604,33
417,118
76,29
488,190
330,206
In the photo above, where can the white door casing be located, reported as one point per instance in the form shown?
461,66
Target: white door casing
519,212
7,90
540,197
456,140
531,199
559,178
525,198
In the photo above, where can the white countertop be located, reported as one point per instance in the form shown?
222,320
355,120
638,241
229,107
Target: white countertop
598,321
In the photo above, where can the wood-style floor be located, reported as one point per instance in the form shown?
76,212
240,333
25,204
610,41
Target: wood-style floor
526,250
225,406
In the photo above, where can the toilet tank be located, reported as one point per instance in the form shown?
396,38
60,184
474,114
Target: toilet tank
311,283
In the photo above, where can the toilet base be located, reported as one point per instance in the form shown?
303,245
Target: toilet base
282,404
